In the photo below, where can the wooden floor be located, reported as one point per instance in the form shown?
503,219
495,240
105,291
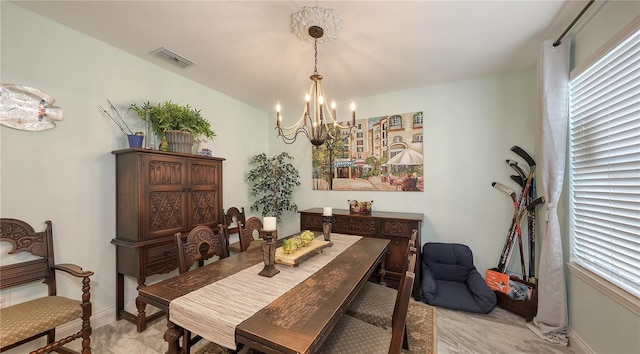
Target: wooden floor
458,332
497,332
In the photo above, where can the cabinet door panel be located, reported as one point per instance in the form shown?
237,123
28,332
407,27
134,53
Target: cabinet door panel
166,213
204,199
167,174
394,261
165,208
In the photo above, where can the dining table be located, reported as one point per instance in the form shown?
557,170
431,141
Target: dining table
227,302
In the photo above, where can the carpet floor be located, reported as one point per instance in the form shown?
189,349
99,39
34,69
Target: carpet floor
421,330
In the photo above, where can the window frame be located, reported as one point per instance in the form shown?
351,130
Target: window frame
611,290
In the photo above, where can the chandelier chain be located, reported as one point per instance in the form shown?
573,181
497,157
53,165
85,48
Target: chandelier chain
315,48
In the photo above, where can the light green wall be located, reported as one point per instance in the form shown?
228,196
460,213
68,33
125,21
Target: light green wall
67,174
603,324
469,129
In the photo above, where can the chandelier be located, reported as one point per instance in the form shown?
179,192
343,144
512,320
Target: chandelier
317,121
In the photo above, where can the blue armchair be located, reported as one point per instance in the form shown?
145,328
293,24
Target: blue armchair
449,279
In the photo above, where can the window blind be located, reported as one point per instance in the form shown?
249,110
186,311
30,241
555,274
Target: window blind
604,113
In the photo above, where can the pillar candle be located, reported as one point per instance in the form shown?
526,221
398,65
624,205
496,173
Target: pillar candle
326,211
269,223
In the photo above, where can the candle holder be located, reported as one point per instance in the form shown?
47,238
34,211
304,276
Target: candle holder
269,252
326,228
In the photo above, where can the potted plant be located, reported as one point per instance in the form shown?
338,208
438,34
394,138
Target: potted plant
272,182
179,124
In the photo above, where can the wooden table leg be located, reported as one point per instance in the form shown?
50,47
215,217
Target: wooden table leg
383,273
172,337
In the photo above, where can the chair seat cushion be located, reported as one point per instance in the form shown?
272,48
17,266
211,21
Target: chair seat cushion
36,316
455,295
374,304
352,336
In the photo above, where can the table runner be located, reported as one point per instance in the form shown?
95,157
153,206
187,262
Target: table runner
215,310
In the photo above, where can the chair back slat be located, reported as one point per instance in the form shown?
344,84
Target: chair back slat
23,273
246,231
410,244
23,238
201,244
234,215
400,313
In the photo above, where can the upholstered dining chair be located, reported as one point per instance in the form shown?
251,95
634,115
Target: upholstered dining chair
201,244
351,335
26,321
246,233
234,216
374,303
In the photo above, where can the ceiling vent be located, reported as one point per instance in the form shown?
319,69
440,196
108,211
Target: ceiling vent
166,54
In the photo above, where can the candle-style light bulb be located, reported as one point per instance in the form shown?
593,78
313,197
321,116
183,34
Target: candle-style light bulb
353,113
333,108
279,117
308,99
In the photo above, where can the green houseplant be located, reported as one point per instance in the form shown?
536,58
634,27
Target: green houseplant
272,182
168,117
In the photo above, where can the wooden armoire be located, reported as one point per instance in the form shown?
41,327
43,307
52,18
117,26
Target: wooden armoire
157,195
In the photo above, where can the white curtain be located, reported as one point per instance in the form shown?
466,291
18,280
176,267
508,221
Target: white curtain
553,86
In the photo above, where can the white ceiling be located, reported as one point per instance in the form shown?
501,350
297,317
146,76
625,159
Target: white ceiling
246,50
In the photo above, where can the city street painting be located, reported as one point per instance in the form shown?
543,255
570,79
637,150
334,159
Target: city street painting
381,154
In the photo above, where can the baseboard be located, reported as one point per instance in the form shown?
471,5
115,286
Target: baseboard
577,344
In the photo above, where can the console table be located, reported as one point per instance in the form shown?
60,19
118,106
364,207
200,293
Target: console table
394,226
158,194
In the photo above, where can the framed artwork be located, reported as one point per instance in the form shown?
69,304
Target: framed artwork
380,154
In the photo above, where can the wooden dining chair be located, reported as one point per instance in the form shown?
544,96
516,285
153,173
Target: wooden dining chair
353,336
246,231
201,244
374,303
234,216
40,316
